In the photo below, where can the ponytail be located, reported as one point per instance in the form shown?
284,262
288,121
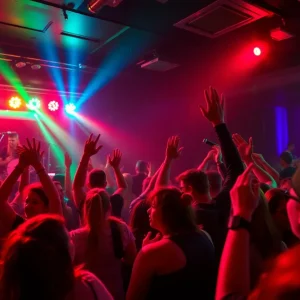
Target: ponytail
95,220
96,206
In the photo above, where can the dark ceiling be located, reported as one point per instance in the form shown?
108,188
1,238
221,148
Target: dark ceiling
36,29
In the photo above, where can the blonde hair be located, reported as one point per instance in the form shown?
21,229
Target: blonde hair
97,205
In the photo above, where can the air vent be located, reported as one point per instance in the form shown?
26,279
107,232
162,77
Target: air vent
221,17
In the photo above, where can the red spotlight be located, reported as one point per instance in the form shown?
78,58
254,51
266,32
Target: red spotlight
257,51
15,102
53,105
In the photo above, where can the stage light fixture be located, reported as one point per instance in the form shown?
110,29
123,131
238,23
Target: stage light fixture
94,6
34,104
53,105
70,108
257,51
20,64
35,67
14,102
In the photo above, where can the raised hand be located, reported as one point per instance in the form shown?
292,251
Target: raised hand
245,149
150,169
258,156
68,160
214,111
30,154
245,194
23,161
217,154
173,151
211,154
90,147
147,240
115,159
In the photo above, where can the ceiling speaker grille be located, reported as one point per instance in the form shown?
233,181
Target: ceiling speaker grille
221,17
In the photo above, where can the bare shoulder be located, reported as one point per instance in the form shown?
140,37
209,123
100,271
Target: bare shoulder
150,256
160,247
164,256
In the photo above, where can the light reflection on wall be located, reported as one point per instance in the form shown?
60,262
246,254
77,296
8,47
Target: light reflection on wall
281,120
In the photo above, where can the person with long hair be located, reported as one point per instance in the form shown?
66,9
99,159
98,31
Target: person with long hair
277,202
104,242
40,197
179,263
36,264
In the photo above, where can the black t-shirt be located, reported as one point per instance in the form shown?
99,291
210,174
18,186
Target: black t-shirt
137,183
18,221
287,172
117,202
196,280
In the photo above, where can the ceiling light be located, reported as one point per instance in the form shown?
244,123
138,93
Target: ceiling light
15,102
35,67
34,104
257,51
279,34
70,108
20,64
53,105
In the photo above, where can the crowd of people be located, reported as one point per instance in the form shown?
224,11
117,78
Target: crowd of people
227,229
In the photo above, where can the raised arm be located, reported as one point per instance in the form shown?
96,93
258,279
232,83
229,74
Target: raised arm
110,179
33,155
7,214
204,164
234,166
68,180
218,157
147,191
152,183
90,149
260,161
18,203
25,179
115,161
246,151
172,152
234,271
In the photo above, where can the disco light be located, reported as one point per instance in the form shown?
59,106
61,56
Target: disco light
14,102
34,104
53,105
70,108
257,51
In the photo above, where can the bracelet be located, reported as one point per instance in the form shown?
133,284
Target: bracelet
40,170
